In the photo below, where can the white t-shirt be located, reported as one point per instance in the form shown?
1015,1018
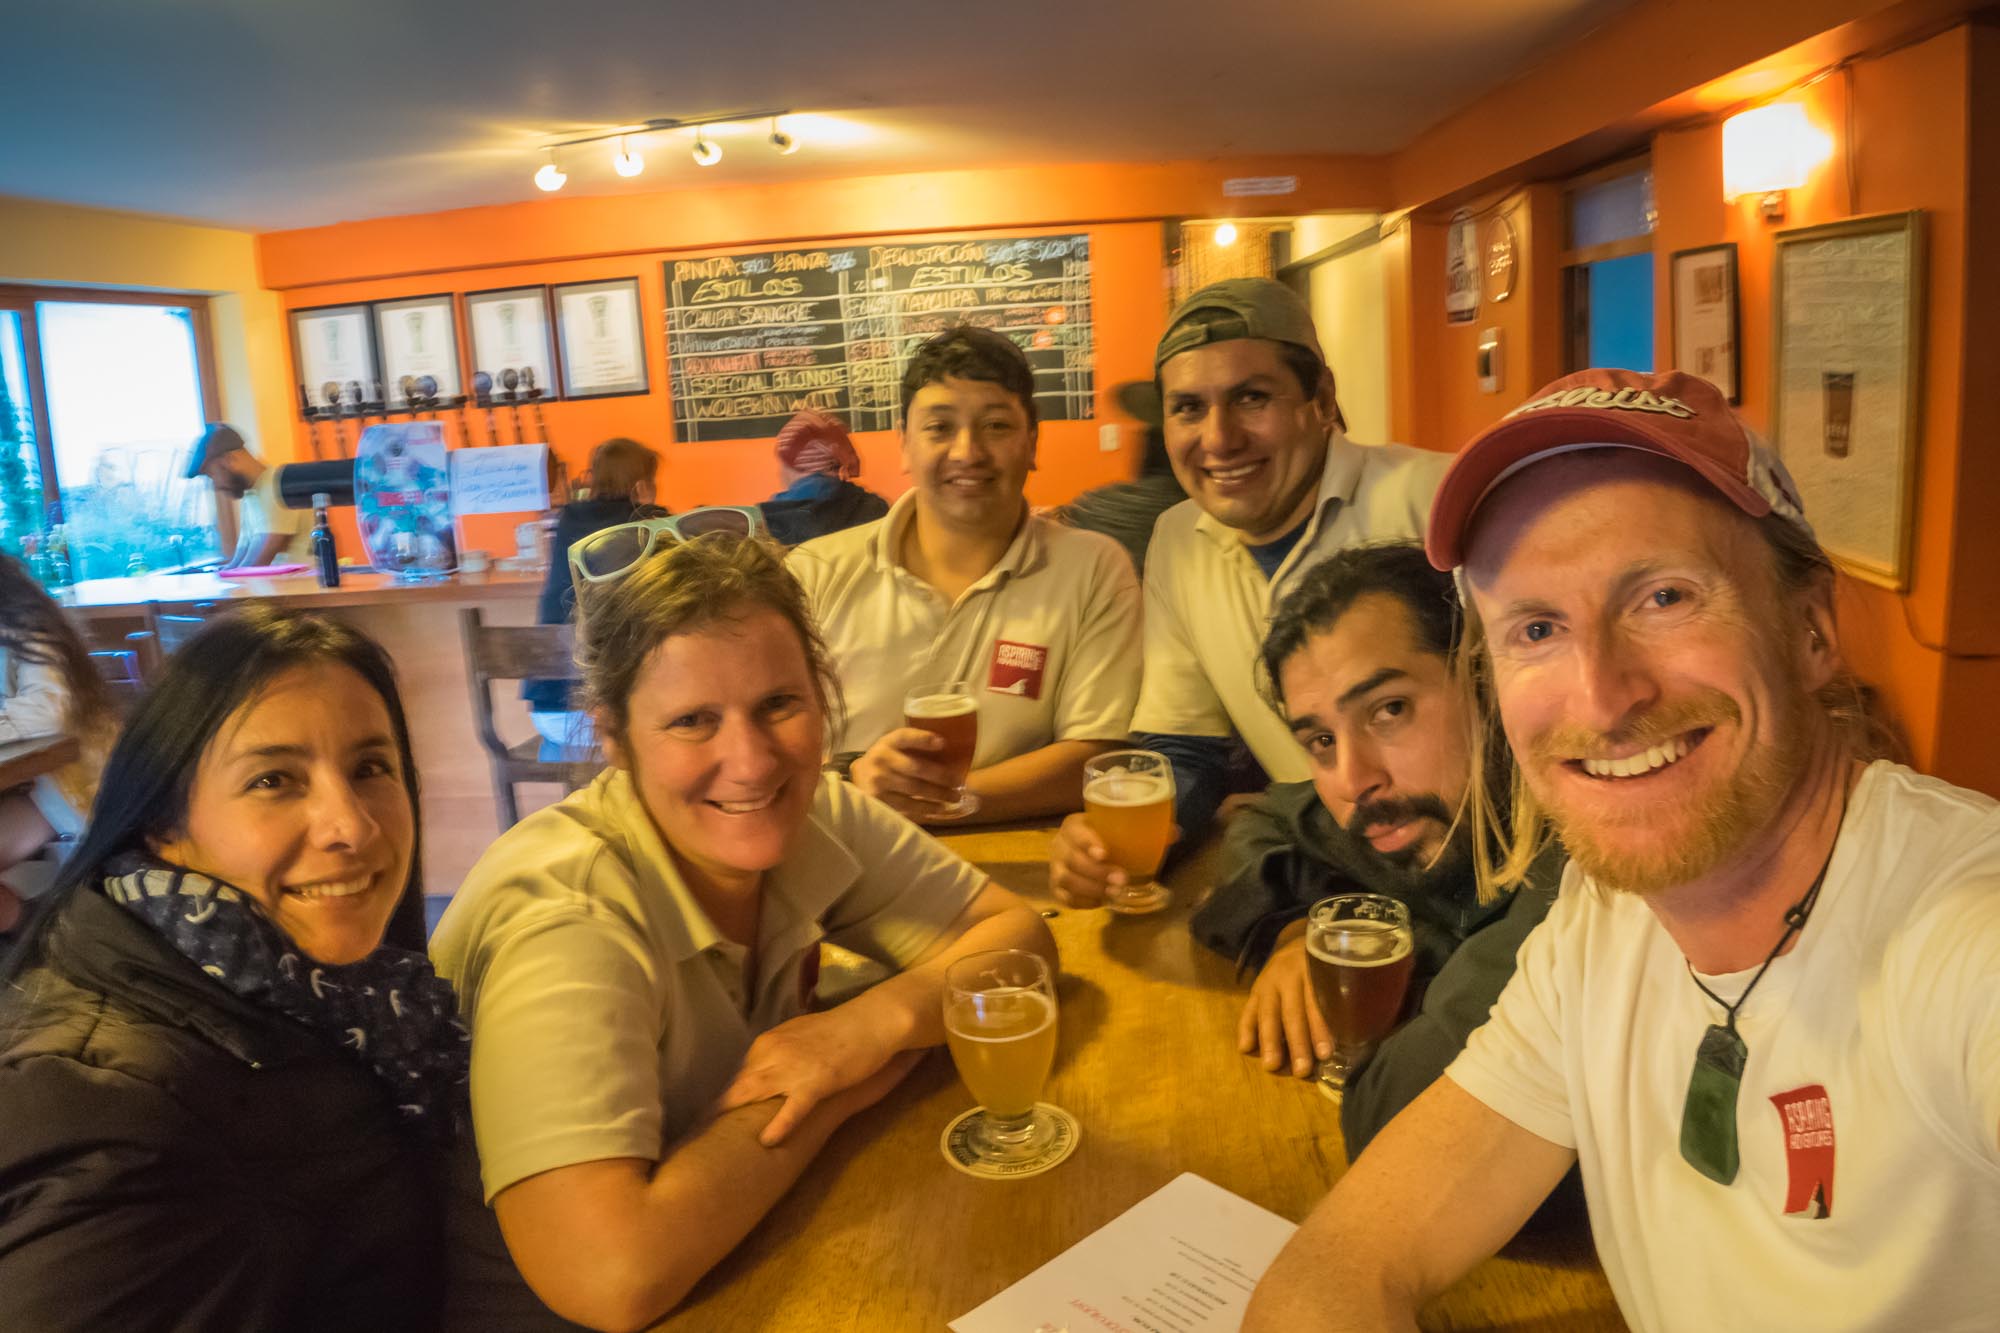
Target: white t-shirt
1872,1089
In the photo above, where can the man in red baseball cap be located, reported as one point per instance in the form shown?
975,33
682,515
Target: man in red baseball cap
1764,1013
818,464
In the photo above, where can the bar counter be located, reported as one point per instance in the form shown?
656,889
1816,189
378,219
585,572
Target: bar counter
418,624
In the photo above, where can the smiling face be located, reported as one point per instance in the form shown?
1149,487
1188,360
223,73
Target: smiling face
300,801
1382,720
1654,685
1246,443
722,737
969,446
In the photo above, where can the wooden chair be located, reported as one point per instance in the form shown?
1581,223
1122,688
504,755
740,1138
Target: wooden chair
513,653
164,635
122,674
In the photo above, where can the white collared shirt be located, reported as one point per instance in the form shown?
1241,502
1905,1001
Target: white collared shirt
1208,603
608,1012
1049,636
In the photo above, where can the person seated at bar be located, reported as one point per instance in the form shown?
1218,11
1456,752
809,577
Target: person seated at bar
962,582
638,963
1764,1013
1255,435
1361,658
1127,510
269,532
224,1057
48,687
818,464
623,486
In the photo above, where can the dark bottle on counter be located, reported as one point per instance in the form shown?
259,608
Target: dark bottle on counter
325,558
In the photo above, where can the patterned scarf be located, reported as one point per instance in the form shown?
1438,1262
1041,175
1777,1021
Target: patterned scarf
390,1009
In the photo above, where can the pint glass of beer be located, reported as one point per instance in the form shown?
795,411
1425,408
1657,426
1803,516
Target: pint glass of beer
1000,1023
1359,952
950,710
1128,800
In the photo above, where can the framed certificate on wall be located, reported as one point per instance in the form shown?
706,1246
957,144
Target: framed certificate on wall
334,347
1705,309
510,331
419,337
600,339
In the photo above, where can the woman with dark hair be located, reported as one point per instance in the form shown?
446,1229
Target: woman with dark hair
47,688
638,963
218,1081
623,479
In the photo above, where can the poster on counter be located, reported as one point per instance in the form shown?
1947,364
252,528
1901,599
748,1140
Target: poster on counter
501,479
402,499
603,350
419,337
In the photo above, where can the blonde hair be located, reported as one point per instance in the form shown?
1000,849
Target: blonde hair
1508,837
681,588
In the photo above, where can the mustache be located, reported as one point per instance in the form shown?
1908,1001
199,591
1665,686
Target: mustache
1709,708
1396,810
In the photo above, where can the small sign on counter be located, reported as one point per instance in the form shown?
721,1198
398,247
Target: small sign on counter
500,479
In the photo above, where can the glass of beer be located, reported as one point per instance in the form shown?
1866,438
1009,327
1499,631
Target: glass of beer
1128,800
1000,1023
1359,952
950,710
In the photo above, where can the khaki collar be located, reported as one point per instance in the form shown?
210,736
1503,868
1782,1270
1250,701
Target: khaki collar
797,892
1023,555
1339,478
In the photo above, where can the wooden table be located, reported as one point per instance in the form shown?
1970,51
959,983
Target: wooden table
24,761
881,1234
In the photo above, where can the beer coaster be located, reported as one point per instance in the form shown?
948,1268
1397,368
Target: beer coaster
957,1147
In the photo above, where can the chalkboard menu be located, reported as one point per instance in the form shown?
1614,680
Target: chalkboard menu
752,338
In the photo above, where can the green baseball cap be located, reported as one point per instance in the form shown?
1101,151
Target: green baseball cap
1248,308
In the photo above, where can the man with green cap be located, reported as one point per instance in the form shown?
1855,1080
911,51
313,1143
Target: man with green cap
270,532
1274,486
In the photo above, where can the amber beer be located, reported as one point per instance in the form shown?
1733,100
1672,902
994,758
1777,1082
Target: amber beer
1003,1042
1360,978
1128,800
951,713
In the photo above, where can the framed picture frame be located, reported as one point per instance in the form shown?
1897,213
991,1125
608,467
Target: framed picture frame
509,328
1708,316
418,336
600,338
333,348
1848,304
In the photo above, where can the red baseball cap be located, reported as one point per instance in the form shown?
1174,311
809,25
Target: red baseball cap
814,441
1673,414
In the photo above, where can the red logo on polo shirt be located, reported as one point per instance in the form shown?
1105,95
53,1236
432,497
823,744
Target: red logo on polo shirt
1017,669
1807,1116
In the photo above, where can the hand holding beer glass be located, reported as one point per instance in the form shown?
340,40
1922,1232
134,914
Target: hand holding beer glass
1359,954
1128,800
1000,1023
948,710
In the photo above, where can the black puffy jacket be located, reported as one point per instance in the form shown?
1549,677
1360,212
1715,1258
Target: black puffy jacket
173,1158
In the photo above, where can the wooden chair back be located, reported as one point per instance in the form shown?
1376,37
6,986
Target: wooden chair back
515,653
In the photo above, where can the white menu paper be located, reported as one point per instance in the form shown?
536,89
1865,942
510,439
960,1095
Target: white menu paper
1182,1260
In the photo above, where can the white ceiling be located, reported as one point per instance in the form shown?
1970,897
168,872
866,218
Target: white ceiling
279,113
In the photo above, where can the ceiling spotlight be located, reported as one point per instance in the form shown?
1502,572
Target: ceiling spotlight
550,177
626,162
783,142
706,152
1226,234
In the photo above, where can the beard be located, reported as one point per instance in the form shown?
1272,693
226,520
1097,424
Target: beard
1414,870
1616,851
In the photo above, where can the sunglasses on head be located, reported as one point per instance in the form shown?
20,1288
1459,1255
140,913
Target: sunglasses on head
611,553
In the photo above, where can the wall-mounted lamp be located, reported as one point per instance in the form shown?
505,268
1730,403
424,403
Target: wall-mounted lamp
550,176
1767,151
1226,234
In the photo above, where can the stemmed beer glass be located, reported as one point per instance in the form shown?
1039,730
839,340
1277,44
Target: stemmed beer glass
950,711
1000,1023
1359,954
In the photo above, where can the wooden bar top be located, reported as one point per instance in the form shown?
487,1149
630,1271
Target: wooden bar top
120,597
881,1234
24,761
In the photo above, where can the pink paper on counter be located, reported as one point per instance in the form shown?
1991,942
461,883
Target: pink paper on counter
262,571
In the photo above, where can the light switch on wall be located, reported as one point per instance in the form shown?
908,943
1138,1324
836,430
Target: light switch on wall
1488,364
1107,437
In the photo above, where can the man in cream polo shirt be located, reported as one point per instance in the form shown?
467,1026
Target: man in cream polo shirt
1274,486
962,582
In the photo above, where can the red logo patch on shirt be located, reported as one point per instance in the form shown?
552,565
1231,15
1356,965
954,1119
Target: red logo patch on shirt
1017,669
1807,1117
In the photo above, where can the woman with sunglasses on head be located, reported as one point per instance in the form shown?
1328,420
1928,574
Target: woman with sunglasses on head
47,688
223,1053
638,963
